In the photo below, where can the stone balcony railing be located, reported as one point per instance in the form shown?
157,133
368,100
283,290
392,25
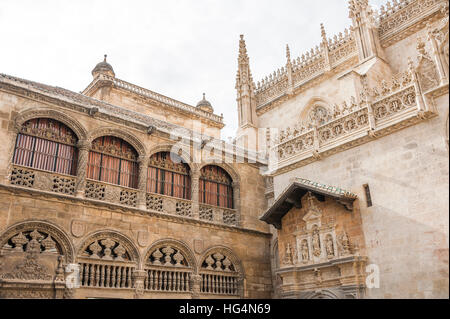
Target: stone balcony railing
399,15
27,177
216,214
46,181
387,109
111,193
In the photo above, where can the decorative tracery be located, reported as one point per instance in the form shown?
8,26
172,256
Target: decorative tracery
46,144
113,160
168,175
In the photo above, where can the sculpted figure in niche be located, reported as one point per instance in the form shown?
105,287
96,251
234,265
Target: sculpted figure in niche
305,252
319,115
329,246
345,243
316,242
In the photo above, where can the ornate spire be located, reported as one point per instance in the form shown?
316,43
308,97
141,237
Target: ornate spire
244,75
245,88
243,57
323,33
288,53
357,6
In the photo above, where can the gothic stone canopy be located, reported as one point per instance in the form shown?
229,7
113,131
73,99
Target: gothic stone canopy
296,190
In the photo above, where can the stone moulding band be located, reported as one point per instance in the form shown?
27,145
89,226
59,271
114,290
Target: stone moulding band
113,206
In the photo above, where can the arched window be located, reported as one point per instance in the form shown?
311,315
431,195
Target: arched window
215,187
114,161
168,174
48,145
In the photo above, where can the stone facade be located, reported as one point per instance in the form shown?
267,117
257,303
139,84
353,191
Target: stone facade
366,110
347,124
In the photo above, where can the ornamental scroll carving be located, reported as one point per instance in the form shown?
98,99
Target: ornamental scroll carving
22,177
95,190
64,185
128,197
154,202
206,213
183,208
229,218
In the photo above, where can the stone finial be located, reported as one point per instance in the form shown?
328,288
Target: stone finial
243,56
288,53
323,33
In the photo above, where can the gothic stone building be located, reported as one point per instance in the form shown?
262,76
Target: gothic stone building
121,192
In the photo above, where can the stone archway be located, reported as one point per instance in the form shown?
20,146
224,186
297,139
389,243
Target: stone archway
33,256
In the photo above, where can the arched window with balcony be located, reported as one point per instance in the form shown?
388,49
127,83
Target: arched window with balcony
48,145
168,174
215,187
113,160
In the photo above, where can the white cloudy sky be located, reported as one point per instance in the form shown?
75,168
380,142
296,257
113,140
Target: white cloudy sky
179,48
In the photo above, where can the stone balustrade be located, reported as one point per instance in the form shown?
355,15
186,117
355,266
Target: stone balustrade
219,283
114,194
391,106
47,181
160,98
399,14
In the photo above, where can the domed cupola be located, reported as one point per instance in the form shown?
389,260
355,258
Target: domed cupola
103,68
205,105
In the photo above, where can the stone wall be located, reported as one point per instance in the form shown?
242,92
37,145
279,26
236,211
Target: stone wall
250,248
406,229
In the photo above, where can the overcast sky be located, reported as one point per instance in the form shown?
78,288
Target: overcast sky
179,48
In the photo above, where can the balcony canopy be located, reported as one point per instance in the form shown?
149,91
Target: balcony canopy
293,194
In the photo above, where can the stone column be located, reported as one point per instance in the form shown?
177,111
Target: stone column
421,105
142,182
13,132
237,202
195,177
83,154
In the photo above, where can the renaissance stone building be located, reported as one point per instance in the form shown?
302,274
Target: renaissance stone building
121,192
